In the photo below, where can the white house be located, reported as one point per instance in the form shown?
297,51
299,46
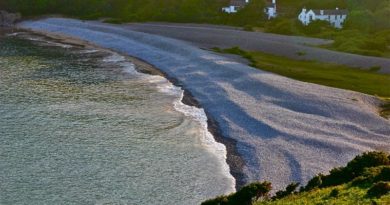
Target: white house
270,9
335,17
234,6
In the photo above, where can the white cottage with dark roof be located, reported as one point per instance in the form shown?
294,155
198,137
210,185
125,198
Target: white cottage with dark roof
336,17
234,6
270,9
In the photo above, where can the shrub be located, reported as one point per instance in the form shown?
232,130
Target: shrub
379,189
355,168
360,181
337,176
252,192
334,193
315,182
245,196
367,160
384,175
221,200
290,189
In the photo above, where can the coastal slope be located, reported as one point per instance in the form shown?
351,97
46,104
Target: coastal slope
283,129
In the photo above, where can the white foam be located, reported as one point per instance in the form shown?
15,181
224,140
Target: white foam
198,114
114,58
207,139
14,34
43,40
89,51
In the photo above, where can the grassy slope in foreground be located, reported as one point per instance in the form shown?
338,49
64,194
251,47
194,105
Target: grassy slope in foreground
346,195
364,180
338,76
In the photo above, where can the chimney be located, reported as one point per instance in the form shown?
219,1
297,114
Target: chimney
304,9
274,1
322,12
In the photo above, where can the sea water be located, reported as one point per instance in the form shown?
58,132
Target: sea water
80,125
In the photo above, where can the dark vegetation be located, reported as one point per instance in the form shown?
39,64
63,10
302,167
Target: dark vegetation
369,172
246,196
195,11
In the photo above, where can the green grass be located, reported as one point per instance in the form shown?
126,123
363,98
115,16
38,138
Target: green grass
364,180
348,195
338,76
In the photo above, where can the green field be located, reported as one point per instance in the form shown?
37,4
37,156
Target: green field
338,76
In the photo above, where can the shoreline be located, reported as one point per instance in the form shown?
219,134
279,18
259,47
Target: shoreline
283,129
234,160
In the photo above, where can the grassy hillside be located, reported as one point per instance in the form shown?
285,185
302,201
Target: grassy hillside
197,11
345,194
364,180
367,30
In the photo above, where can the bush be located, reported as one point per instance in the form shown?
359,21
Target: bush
367,160
378,190
252,192
290,189
334,193
220,200
245,196
315,182
363,166
337,176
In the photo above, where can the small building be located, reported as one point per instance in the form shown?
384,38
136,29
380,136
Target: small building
336,17
270,9
234,6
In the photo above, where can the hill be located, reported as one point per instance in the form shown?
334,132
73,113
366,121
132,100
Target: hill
366,32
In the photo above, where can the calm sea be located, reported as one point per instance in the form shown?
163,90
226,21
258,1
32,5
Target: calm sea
81,126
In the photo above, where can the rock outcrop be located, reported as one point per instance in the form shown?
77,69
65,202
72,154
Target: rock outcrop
8,19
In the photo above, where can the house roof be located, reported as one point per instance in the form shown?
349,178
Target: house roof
237,3
330,11
269,4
